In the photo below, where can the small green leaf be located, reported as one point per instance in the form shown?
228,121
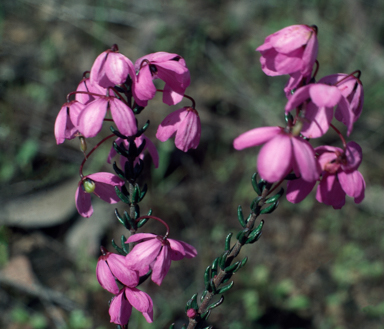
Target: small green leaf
270,208
214,305
276,197
121,196
225,288
118,249
255,185
240,216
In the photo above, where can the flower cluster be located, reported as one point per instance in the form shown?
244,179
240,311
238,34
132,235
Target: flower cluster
153,253
293,51
116,90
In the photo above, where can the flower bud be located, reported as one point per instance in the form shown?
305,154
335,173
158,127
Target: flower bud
89,185
191,313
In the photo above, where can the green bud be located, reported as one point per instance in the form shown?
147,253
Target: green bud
89,185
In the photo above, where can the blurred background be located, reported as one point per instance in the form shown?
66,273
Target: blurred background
314,267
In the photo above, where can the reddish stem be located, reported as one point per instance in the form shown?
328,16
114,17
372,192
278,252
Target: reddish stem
340,135
186,96
90,152
159,220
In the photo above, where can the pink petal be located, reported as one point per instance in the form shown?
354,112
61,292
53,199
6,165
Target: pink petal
255,137
310,54
107,178
117,68
285,63
317,121
298,98
290,38
64,128
119,269
170,124
123,117
141,237
83,202
174,74
323,95
105,277
352,183
298,189
140,301
120,309
305,161
161,266
171,97
354,155
329,192
180,249
188,132
143,254
91,118
275,158
144,87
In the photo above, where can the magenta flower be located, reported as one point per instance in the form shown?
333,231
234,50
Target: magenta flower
111,267
352,90
90,120
86,88
138,141
102,184
185,125
282,153
317,101
170,68
156,253
111,68
292,49
66,121
339,177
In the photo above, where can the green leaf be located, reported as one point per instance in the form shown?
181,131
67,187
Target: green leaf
225,288
276,197
255,185
240,216
121,196
270,208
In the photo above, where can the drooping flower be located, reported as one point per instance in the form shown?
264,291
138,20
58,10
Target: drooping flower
102,184
66,121
138,141
282,153
111,68
91,118
292,49
185,125
156,253
111,267
317,101
351,89
170,68
339,177
85,90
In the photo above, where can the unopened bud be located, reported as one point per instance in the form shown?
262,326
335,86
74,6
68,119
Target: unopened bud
83,144
89,185
191,313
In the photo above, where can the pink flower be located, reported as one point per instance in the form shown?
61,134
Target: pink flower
85,87
138,141
340,177
111,68
90,120
351,89
156,253
111,267
185,124
282,153
65,124
102,184
317,101
292,49
170,68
